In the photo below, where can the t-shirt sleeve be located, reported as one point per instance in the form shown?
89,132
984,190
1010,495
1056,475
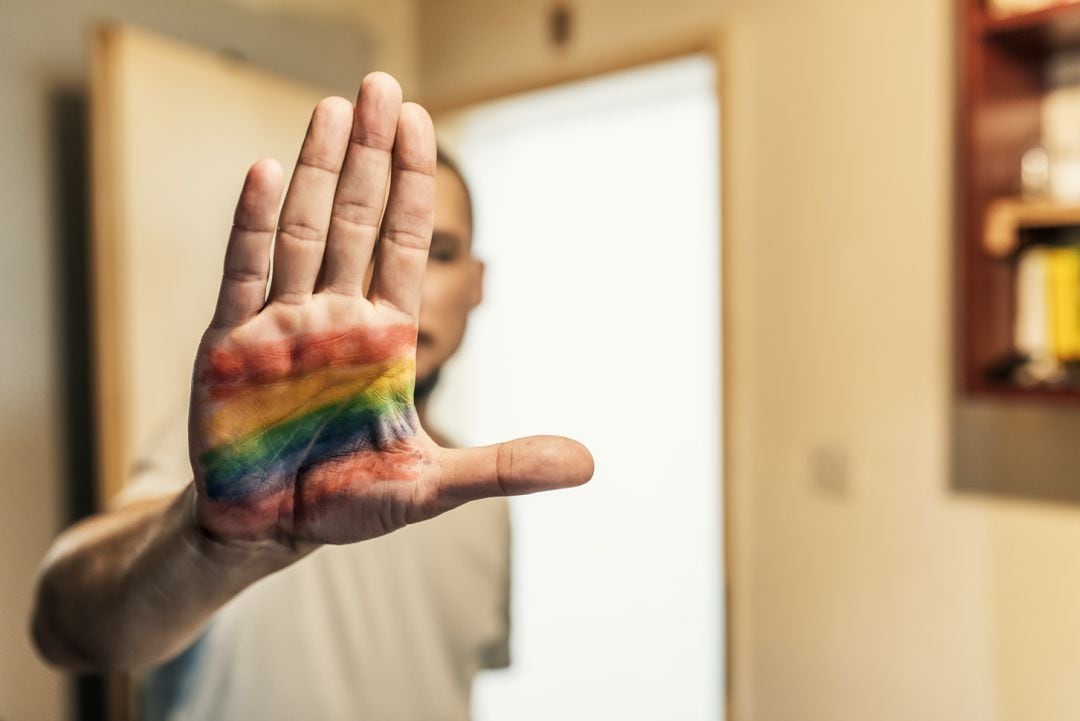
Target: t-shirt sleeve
161,469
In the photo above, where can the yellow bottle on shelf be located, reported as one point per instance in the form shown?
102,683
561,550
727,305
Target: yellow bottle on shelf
1063,301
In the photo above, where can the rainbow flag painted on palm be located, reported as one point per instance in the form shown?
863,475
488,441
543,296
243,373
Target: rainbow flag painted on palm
328,408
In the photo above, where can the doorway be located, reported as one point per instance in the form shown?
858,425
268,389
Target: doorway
597,214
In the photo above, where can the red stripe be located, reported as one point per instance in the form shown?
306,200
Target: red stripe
307,353
338,497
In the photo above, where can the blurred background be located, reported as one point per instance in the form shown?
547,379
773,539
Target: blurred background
843,232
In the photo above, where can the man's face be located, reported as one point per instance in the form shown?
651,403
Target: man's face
453,285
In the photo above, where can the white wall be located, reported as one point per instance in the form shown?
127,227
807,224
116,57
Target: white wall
597,216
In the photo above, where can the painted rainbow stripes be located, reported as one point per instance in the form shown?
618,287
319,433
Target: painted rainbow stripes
322,407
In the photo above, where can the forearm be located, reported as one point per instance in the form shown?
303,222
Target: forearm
135,586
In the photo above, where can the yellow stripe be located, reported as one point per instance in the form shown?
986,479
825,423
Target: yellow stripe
267,405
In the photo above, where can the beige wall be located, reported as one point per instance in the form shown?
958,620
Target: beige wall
884,594
42,51
389,29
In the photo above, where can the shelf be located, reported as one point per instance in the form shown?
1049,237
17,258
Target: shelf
1066,395
1006,218
1053,28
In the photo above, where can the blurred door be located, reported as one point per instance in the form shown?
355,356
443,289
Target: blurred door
597,213
175,129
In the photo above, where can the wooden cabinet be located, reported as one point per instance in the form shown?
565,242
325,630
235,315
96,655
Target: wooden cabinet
1004,69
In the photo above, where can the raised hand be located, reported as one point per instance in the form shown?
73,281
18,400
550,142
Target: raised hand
303,427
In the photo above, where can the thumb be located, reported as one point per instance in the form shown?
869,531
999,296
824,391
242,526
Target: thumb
526,465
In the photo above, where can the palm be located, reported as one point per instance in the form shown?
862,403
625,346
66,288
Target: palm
312,432
303,426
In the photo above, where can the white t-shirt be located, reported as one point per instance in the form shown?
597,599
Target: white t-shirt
392,629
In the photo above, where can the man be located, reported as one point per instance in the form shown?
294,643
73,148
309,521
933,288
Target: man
304,438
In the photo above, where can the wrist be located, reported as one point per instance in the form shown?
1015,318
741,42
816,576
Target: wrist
256,557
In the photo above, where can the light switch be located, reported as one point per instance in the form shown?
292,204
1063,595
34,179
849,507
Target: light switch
829,471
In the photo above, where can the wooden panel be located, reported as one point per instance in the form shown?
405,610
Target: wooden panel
174,130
